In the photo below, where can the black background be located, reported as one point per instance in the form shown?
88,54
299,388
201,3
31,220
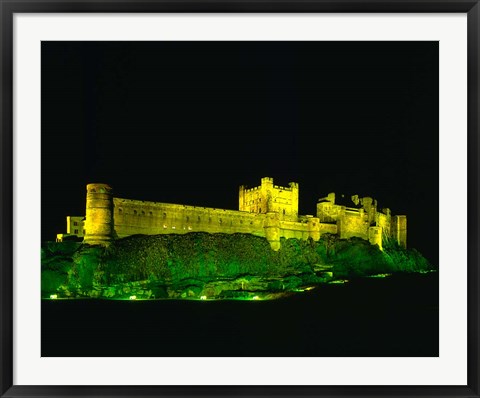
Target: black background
188,122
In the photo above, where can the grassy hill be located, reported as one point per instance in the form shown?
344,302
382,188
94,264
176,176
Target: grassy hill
202,265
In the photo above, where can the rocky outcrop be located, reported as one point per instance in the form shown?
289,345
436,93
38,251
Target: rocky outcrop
212,266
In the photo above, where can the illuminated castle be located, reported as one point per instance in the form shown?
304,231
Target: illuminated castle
268,211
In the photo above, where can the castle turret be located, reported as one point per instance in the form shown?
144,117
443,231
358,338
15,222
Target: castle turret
314,228
399,230
241,198
294,198
375,236
267,189
272,230
99,215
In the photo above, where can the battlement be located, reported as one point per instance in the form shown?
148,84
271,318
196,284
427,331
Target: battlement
99,188
252,189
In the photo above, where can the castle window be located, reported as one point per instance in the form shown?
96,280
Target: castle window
151,213
84,232
75,223
143,213
164,215
220,220
188,218
119,210
75,231
134,212
283,211
198,218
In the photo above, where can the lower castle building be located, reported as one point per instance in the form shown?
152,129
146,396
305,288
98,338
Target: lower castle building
268,211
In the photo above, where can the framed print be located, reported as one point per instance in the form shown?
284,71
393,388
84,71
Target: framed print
239,198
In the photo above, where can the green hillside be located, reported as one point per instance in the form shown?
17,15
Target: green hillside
206,266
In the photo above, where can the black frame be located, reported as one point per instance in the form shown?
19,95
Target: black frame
9,7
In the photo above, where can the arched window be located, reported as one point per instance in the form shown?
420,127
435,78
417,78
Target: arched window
135,212
164,215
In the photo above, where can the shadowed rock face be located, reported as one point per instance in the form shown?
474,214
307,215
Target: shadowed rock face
212,266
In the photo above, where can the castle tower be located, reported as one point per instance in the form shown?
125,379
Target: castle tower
294,200
99,215
266,189
327,211
270,198
272,230
314,228
399,230
375,236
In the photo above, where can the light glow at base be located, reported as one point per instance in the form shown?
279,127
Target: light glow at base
53,296
133,297
203,297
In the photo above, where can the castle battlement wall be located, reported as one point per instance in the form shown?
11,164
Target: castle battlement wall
269,211
152,218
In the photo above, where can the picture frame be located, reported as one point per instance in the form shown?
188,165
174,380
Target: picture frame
7,204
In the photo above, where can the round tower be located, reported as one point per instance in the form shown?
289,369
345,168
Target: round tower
99,215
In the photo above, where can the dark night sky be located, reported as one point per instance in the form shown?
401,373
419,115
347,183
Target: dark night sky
188,122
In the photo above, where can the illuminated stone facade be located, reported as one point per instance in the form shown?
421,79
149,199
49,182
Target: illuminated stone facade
268,211
75,228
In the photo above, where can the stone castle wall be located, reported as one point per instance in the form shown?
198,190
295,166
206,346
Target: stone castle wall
151,218
132,217
268,211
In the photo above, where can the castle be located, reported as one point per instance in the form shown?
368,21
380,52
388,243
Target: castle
268,211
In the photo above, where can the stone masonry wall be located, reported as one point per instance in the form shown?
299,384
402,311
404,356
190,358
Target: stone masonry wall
151,218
